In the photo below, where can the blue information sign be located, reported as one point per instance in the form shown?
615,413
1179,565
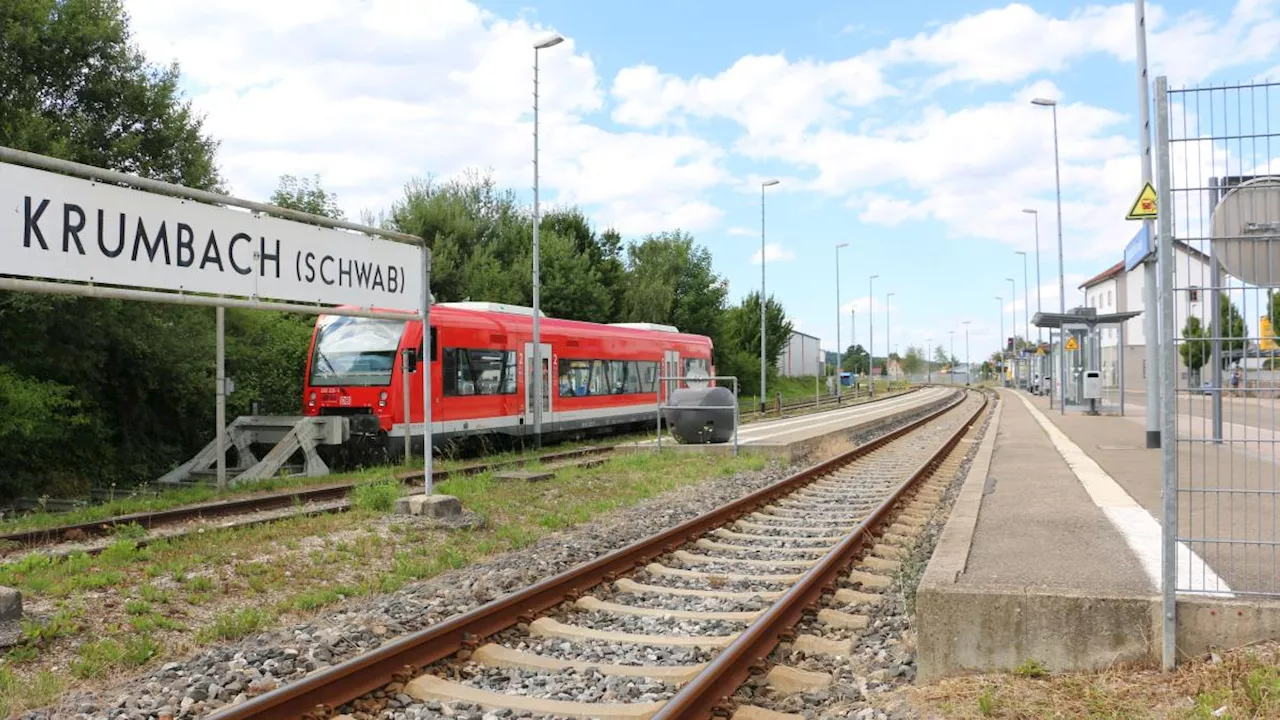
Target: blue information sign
1138,249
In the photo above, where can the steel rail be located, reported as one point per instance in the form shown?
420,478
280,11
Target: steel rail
711,691
266,501
319,694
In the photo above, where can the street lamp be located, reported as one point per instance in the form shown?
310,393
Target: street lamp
1026,297
1036,216
538,390
763,185
1013,327
871,335
1062,284
839,349
928,360
968,362
952,375
888,342
1000,340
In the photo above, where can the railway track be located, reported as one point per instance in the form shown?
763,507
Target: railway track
329,497
671,626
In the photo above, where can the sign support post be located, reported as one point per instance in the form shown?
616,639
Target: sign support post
1150,326
425,316
220,394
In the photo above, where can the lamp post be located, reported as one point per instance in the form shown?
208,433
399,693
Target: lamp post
928,361
1013,327
1003,359
853,343
1036,215
839,349
1062,283
1026,297
968,361
763,364
871,335
537,219
952,374
888,342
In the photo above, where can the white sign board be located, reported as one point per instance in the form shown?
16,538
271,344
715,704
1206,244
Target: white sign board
64,228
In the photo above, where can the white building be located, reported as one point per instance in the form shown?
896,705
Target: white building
1114,290
801,356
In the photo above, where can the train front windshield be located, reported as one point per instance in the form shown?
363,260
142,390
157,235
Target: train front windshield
355,351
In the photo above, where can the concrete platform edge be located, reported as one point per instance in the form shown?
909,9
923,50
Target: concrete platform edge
965,629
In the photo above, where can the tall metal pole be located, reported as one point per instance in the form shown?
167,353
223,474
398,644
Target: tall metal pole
428,482
220,394
1036,216
871,335
537,268
763,307
1150,315
952,374
853,342
968,361
1013,328
839,348
1062,282
1026,315
928,360
1168,409
888,341
1000,302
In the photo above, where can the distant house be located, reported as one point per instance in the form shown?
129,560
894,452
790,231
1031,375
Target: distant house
801,356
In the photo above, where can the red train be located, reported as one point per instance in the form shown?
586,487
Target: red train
604,376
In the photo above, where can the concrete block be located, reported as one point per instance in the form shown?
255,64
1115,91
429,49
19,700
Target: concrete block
10,604
437,506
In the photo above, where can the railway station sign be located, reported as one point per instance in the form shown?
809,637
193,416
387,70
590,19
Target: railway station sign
58,227
1139,249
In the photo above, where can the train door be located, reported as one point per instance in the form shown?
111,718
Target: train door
548,379
671,368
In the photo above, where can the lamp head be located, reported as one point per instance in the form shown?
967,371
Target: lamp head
842,245
1044,102
767,183
550,41
1029,210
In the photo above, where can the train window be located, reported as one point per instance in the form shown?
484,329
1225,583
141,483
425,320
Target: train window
600,378
696,367
479,372
575,377
631,383
435,352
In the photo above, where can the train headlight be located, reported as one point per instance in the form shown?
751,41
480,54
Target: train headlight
311,399
382,398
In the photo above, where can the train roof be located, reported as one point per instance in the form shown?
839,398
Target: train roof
503,316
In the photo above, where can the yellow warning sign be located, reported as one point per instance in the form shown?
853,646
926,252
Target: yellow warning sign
1268,340
1144,208
1040,351
1072,344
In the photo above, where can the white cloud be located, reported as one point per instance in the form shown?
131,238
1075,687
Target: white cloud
773,252
369,94
766,94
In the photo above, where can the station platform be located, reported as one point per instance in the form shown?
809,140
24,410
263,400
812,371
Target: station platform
815,435
1052,551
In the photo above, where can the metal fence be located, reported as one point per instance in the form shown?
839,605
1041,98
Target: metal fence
1218,157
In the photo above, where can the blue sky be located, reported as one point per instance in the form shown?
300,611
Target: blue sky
903,129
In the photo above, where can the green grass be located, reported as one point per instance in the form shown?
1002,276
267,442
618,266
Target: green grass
235,624
19,693
376,496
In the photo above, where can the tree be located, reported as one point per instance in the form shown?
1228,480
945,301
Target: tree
112,390
941,357
855,360
306,195
1195,349
913,362
738,346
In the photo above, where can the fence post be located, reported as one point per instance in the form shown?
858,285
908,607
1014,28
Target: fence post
1168,404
